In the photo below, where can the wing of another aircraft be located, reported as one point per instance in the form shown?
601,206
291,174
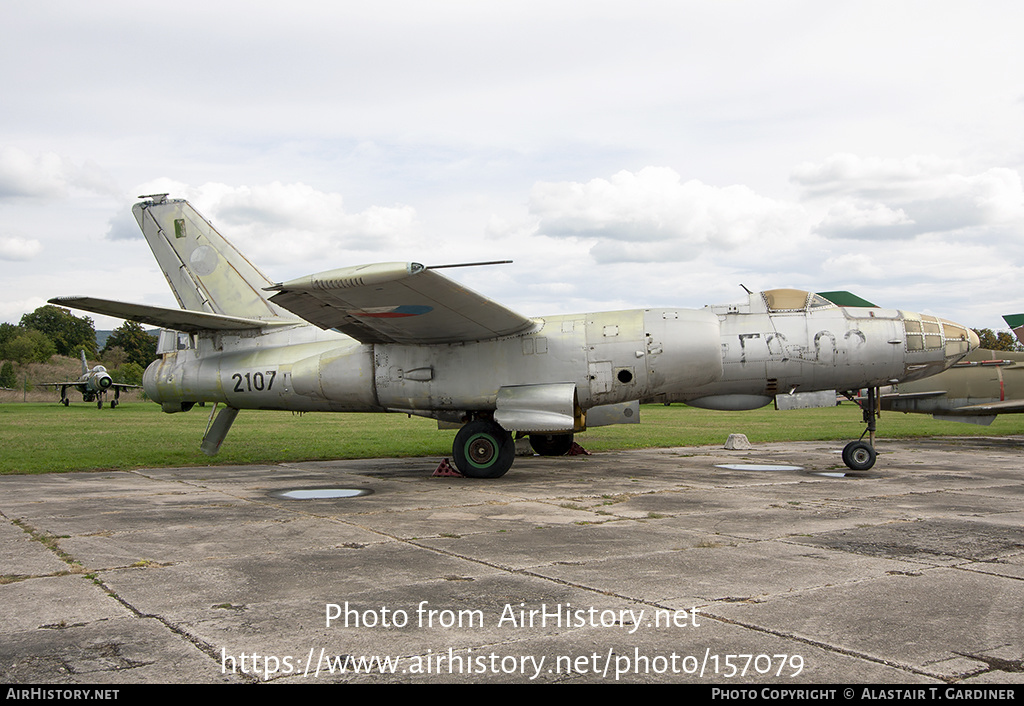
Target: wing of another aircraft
397,302
1005,407
79,385
165,317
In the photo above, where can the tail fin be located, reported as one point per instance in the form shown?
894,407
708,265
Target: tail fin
85,366
1016,322
205,271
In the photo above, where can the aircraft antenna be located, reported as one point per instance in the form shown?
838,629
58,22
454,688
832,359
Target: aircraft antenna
467,264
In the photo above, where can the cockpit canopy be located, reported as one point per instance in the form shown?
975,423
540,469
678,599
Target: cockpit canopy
793,300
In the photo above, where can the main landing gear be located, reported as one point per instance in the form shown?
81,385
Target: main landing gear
482,449
860,455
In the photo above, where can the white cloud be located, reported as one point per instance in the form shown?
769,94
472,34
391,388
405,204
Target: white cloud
12,310
860,219
287,223
904,198
48,175
24,174
852,265
12,248
652,215
852,175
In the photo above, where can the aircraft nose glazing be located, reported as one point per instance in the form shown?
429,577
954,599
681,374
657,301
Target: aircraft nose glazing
929,334
975,342
933,344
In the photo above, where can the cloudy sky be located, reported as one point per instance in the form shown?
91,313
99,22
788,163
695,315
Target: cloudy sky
647,153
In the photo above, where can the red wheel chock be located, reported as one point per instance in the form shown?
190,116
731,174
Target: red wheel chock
446,470
577,450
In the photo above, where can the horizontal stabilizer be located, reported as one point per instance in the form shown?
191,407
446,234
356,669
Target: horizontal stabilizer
165,317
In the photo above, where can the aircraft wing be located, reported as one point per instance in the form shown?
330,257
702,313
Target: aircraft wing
907,395
164,317
1005,407
397,302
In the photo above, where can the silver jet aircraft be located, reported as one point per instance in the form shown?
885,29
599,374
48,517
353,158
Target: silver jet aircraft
93,384
401,337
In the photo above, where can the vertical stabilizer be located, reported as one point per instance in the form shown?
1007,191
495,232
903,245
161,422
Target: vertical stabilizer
1016,322
205,271
85,366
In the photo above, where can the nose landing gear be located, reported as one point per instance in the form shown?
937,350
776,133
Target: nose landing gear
860,455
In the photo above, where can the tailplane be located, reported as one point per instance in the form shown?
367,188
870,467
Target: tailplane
205,271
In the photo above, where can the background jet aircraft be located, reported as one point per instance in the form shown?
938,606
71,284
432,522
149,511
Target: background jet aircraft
987,383
401,337
93,384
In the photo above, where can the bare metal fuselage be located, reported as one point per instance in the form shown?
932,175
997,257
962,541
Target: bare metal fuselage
720,357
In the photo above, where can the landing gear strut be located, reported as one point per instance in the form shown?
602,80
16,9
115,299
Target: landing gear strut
860,455
482,449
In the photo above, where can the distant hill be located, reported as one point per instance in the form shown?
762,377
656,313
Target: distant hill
102,336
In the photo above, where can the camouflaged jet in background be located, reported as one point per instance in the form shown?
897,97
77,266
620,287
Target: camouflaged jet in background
402,337
975,390
93,384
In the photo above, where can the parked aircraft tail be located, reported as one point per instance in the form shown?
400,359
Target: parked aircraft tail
1016,322
85,366
205,271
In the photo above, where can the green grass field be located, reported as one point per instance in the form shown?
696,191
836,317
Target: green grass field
46,437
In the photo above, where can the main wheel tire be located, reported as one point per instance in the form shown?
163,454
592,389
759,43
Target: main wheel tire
482,449
551,444
859,455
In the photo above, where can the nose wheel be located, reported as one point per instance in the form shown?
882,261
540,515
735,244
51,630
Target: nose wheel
860,455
